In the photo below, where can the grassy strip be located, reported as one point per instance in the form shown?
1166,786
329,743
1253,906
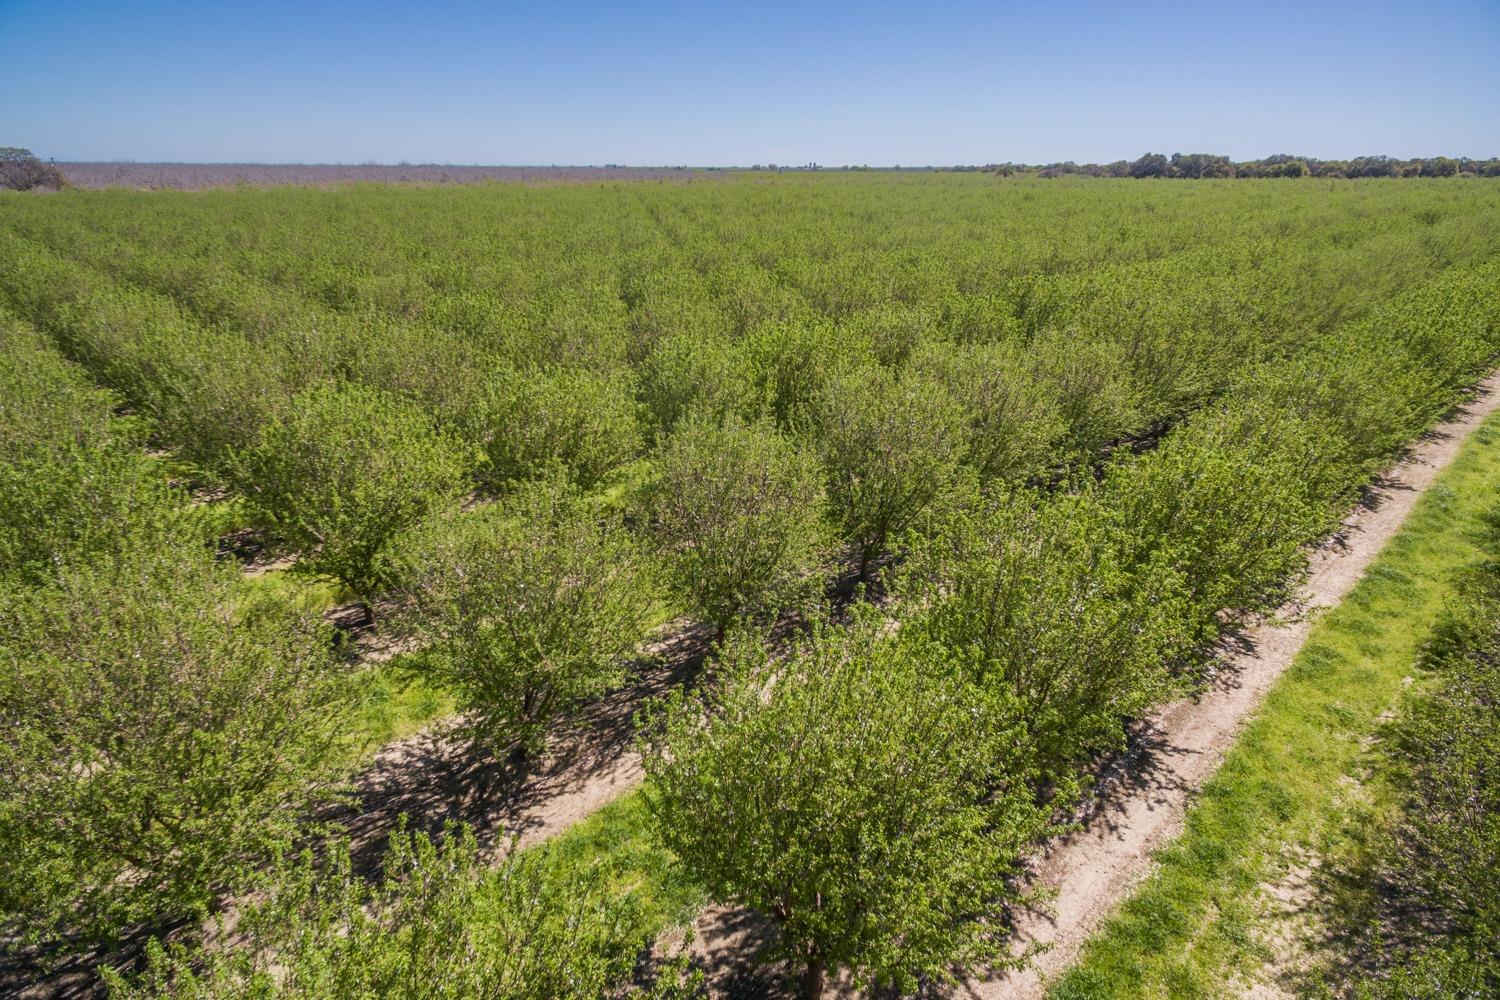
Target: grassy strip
620,838
1188,931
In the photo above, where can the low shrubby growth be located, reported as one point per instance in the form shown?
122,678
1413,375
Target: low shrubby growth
345,470
736,511
849,792
156,755
527,607
441,923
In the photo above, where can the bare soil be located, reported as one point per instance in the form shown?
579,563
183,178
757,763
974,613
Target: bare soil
433,776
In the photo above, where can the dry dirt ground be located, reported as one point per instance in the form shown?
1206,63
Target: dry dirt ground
1141,800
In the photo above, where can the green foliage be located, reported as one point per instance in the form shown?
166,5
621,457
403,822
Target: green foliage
788,364
1202,376
736,509
440,923
1032,603
581,420
846,794
1223,506
48,408
343,471
1305,777
891,444
688,374
153,758
1087,378
1440,854
532,605
85,504
72,484
1015,420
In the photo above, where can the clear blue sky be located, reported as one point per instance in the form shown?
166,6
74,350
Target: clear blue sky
719,84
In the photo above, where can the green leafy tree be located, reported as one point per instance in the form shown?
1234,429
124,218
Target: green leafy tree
737,509
1226,504
1015,421
582,420
343,471
49,407
442,923
73,483
1150,165
687,374
532,605
1025,594
84,504
890,443
154,757
788,362
847,794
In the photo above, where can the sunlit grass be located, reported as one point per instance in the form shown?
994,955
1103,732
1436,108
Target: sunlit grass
1191,928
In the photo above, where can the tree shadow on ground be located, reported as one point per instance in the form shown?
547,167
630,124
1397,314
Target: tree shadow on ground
438,776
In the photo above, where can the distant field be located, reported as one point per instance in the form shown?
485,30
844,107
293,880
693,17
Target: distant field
193,176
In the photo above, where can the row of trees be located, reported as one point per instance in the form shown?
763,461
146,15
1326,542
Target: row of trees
644,465
156,754
173,754
873,792
1208,166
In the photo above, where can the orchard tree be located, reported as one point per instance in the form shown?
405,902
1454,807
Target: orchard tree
1226,504
74,484
581,420
1014,418
153,758
531,605
737,511
84,504
1027,597
890,443
687,374
847,795
443,922
343,471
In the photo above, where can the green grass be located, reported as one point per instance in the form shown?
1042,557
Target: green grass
621,838
395,702
1190,930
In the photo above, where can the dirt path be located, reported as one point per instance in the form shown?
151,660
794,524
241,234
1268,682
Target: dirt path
1095,869
433,778
1142,799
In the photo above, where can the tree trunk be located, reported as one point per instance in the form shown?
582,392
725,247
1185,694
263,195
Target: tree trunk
812,979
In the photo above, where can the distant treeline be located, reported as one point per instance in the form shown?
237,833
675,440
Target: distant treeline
1197,166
